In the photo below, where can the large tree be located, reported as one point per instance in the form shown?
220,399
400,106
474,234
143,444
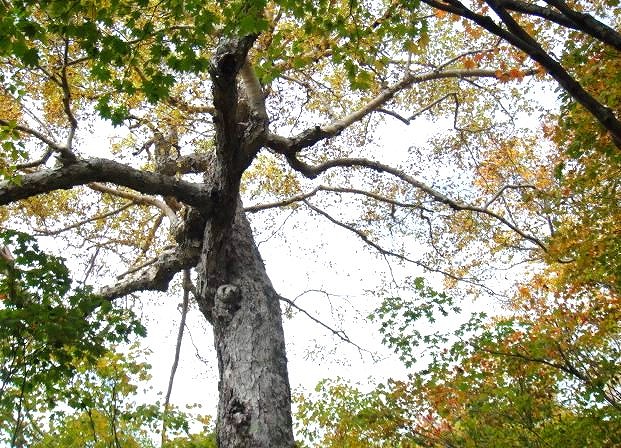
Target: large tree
217,98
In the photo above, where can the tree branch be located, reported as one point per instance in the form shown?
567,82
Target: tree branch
253,91
363,236
104,170
586,23
228,60
304,196
313,172
157,276
85,221
34,133
519,38
67,155
289,146
338,333
190,164
507,187
540,11
187,286
189,108
137,199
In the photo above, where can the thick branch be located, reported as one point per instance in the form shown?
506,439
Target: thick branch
156,277
226,64
519,38
540,11
189,108
104,170
190,164
587,24
253,90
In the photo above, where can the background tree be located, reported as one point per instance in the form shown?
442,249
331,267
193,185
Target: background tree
49,331
201,88
544,376
63,383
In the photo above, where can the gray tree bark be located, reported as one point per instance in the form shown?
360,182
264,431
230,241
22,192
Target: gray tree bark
238,299
234,291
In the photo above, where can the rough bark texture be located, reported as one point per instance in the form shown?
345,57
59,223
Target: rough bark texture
234,291
255,400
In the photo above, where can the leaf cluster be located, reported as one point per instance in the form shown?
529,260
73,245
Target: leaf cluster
48,329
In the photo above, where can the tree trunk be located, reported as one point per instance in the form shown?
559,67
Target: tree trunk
237,297
234,291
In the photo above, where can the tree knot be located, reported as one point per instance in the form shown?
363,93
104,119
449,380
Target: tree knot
238,413
226,302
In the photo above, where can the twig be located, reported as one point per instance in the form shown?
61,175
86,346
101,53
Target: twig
84,221
187,286
138,199
338,333
507,187
142,265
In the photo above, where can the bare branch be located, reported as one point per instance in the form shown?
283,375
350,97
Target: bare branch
67,155
289,146
139,267
137,199
338,333
84,221
393,114
187,285
363,236
34,133
422,110
507,187
150,236
463,55
303,196
44,158
437,196
283,203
